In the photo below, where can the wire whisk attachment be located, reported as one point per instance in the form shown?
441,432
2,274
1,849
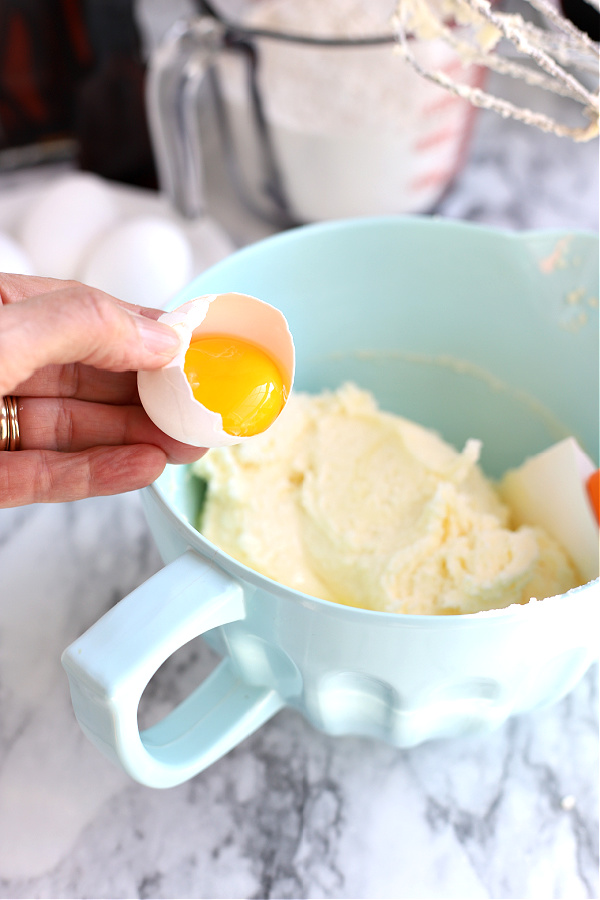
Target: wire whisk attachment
554,56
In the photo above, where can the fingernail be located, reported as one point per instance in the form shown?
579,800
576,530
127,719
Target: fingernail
158,338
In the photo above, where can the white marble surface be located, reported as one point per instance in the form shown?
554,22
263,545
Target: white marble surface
289,813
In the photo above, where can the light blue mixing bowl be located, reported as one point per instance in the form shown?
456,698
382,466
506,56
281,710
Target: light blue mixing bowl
470,330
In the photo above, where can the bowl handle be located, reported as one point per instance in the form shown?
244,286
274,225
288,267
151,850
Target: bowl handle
110,665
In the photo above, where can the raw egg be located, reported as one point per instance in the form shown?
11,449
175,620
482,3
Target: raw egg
232,376
145,260
64,220
13,258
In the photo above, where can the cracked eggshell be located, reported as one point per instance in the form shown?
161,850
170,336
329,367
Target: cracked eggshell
166,394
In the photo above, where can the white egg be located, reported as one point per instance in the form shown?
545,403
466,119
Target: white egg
13,258
166,394
145,260
61,224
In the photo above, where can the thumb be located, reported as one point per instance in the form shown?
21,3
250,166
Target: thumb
78,324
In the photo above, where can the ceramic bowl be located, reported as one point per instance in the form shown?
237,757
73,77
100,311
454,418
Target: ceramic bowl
472,331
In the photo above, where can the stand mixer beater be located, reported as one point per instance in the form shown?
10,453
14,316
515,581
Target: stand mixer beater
554,55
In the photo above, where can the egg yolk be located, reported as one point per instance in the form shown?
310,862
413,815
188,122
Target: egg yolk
237,379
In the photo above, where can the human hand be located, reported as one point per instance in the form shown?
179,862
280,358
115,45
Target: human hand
69,353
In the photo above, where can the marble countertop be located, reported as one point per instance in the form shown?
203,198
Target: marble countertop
290,812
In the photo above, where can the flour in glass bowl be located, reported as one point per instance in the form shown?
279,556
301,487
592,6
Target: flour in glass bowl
355,129
328,88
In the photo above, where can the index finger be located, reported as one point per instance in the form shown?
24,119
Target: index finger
14,288
76,324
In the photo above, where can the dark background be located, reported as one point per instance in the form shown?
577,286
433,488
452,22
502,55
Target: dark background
72,82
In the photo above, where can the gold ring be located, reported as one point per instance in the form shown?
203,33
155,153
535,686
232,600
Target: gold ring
10,436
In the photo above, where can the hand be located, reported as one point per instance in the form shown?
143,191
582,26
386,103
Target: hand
70,353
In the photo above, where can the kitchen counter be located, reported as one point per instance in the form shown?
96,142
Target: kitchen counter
290,812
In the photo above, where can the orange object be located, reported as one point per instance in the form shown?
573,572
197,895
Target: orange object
233,377
593,489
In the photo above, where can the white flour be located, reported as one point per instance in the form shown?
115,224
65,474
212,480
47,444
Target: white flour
329,89
356,130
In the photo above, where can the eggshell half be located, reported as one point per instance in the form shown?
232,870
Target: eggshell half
166,394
